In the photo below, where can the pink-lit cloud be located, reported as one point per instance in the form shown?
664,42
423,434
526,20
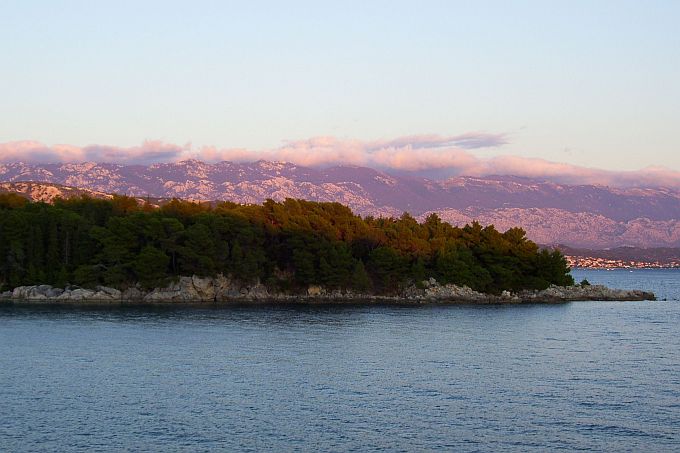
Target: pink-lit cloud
36,152
411,153
471,140
445,155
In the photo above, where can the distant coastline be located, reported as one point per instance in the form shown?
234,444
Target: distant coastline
601,263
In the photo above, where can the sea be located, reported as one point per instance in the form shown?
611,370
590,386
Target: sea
579,376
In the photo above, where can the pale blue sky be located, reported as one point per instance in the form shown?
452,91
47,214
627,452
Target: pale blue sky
593,83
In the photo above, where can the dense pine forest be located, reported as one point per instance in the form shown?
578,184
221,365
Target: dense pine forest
287,245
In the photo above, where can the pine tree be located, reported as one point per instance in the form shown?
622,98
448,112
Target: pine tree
151,266
360,279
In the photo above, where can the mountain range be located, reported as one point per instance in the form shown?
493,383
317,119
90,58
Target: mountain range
577,215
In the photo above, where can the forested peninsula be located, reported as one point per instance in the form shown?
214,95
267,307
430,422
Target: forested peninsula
287,248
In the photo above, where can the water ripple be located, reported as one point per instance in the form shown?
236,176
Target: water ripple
592,376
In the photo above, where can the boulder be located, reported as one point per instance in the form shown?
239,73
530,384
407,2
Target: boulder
314,291
223,288
132,294
453,292
170,293
20,292
204,288
258,291
112,293
233,292
105,293
186,289
36,292
54,293
78,294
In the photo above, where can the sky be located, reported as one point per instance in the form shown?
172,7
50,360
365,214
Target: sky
411,86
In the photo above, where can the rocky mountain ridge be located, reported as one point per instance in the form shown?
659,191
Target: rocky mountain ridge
38,191
48,192
577,215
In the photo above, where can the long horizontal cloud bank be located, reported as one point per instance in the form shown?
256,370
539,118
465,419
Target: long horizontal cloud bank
445,155
35,152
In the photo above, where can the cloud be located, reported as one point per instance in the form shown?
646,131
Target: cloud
147,153
418,154
573,174
470,140
36,152
411,153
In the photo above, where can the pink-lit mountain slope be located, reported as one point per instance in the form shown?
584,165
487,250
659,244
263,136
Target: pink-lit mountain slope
577,215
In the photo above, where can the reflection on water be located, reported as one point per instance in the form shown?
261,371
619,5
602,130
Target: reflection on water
586,375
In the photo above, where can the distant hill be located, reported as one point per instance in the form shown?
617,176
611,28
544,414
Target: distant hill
47,192
576,215
662,255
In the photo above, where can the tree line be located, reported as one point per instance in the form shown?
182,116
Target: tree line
287,245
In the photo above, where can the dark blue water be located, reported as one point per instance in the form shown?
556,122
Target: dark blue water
594,376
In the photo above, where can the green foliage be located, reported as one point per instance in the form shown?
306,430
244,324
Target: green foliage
360,281
290,244
89,275
418,271
11,201
458,265
584,282
151,266
388,267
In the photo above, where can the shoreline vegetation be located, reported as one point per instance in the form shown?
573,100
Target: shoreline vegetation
123,251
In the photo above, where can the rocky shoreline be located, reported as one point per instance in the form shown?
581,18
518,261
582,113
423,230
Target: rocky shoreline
223,290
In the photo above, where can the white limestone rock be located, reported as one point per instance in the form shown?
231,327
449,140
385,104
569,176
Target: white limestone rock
132,294
258,291
315,291
204,288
